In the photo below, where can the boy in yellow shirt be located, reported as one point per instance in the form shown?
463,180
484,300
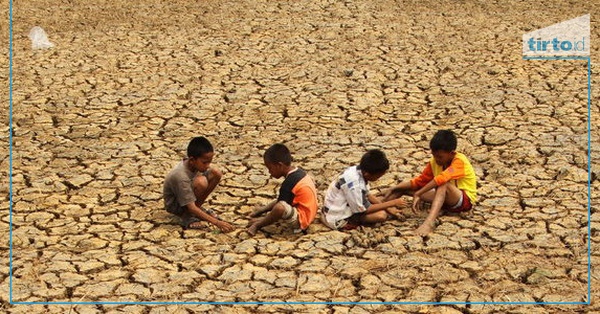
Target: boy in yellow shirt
448,182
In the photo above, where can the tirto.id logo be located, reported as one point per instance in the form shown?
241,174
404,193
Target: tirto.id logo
568,38
555,45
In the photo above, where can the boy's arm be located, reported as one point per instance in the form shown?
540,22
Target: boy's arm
373,199
397,190
430,185
196,211
360,202
456,170
385,205
268,207
414,184
423,178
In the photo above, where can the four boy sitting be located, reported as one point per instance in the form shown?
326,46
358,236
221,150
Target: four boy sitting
448,183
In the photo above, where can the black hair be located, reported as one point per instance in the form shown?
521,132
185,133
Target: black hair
278,153
199,146
443,140
374,161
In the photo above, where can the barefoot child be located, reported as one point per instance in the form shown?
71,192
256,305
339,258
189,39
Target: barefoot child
348,203
297,201
448,182
188,185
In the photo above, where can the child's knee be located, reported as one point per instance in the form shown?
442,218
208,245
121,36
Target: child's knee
381,216
373,218
279,208
200,183
215,174
442,189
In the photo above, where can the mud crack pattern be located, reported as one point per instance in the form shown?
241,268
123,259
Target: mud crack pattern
103,116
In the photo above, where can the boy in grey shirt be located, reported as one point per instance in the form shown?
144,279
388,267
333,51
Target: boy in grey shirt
188,185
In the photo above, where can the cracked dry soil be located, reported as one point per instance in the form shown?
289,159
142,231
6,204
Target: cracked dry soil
100,119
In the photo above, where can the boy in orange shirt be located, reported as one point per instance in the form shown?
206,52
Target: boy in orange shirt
297,201
448,182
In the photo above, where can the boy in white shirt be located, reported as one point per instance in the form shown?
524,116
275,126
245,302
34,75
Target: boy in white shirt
348,203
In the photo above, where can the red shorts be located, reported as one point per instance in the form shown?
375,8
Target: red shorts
464,206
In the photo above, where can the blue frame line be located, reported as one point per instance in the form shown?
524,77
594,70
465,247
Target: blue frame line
589,209
10,141
557,58
10,172
299,303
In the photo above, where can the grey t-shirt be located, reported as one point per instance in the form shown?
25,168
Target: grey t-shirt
178,190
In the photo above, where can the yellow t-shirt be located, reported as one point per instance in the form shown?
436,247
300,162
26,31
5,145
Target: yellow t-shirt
460,173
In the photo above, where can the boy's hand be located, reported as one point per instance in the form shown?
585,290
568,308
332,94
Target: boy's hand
400,202
224,226
373,199
417,204
396,213
392,193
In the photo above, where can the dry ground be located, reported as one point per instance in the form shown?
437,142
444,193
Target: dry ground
102,117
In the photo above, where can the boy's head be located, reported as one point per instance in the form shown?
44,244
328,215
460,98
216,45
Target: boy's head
278,160
374,164
200,153
443,146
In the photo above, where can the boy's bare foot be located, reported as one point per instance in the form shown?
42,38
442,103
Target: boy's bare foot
252,221
196,225
253,229
190,222
425,228
396,213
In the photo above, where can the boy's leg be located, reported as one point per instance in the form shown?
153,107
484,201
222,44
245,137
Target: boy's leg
189,221
368,219
204,185
279,210
447,194
261,210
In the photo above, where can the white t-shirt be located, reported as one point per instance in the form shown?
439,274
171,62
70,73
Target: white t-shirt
346,196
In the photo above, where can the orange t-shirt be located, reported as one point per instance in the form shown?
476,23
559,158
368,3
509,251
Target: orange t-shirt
298,190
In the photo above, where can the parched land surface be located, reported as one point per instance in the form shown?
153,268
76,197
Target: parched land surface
102,117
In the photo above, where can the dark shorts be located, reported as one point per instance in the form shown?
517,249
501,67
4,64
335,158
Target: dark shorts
178,212
463,205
